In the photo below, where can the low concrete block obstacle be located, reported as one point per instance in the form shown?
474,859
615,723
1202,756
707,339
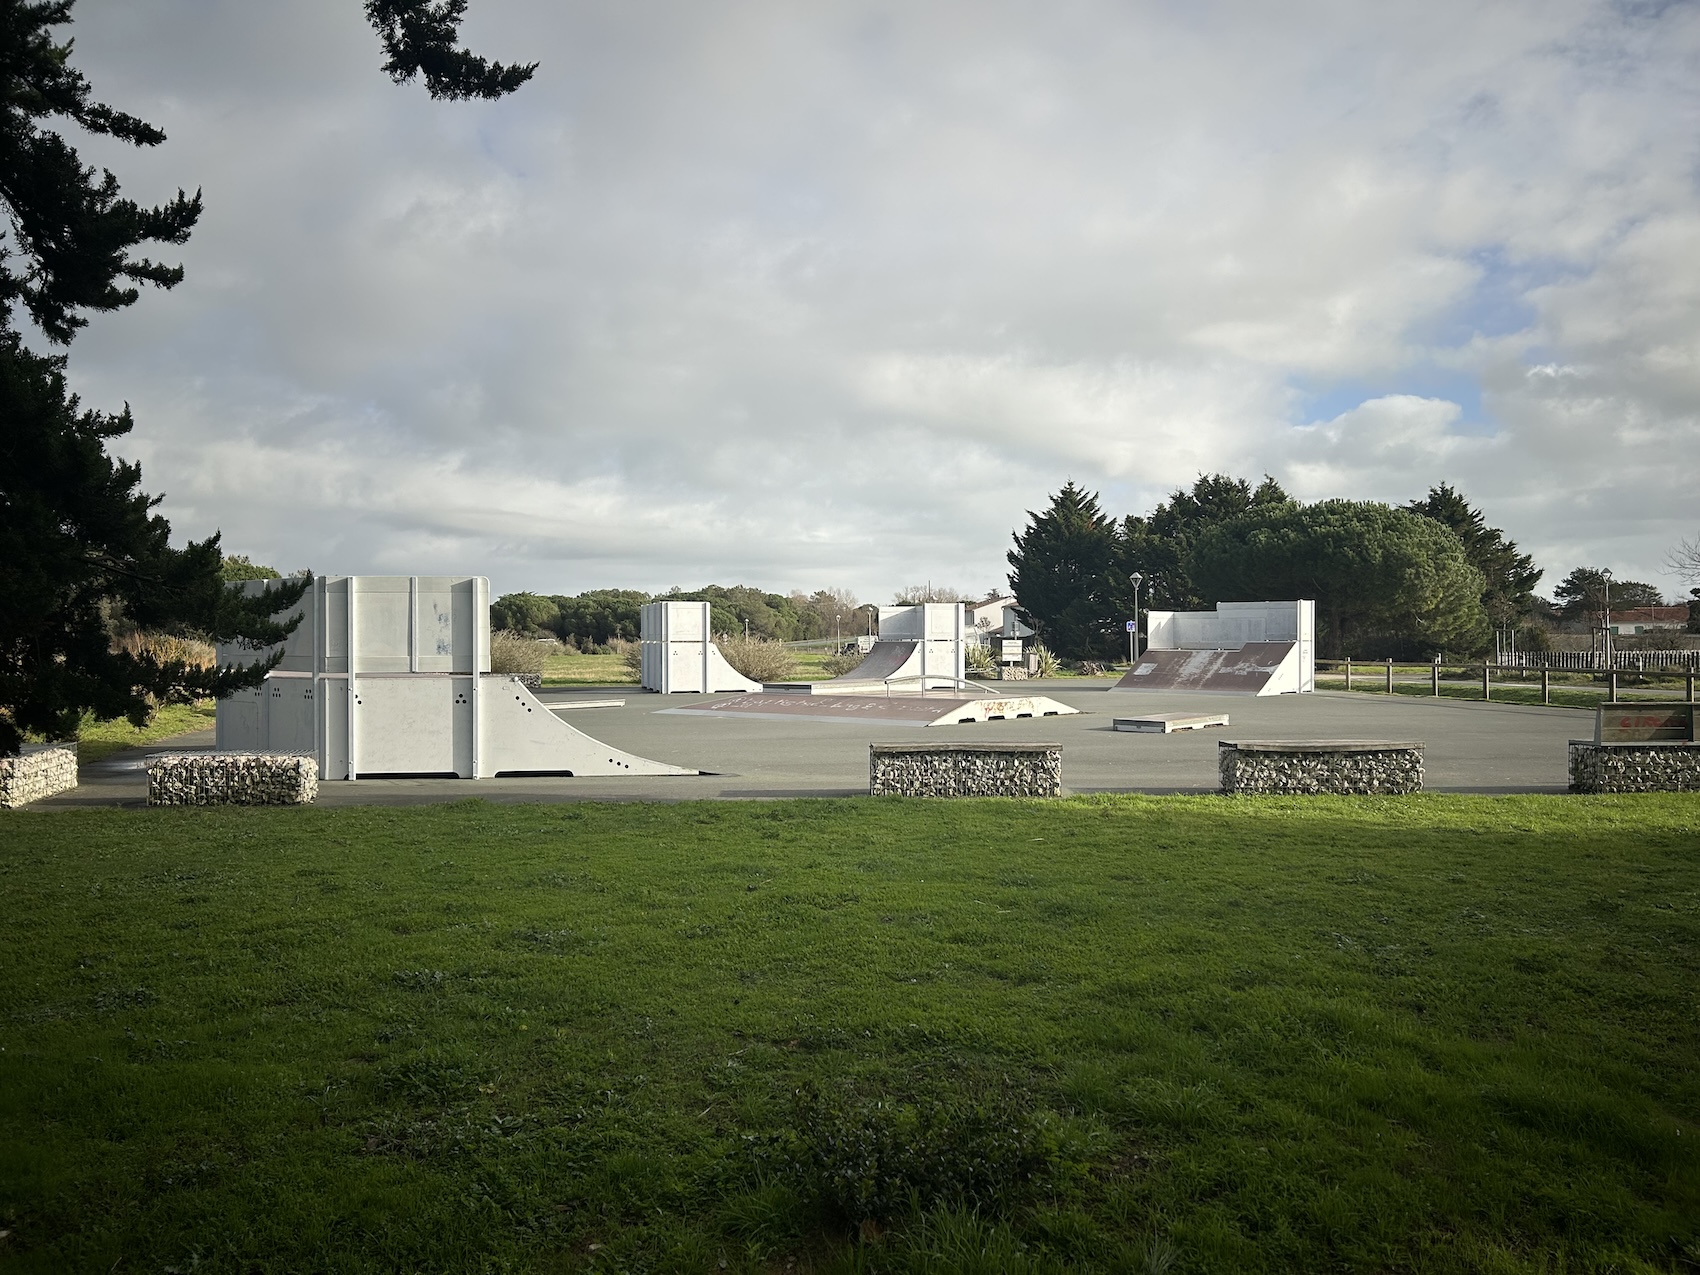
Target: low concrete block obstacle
965,770
232,779
40,770
1642,747
1169,723
1310,766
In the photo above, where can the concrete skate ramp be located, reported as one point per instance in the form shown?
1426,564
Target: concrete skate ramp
522,737
885,659
1245,670
891,710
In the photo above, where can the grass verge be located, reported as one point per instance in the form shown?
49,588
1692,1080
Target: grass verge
1587,697
1122,1034
97,740
587,670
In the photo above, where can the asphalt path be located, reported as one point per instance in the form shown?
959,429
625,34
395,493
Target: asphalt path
1470,747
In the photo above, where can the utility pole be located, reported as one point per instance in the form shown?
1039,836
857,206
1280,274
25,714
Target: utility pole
1606,577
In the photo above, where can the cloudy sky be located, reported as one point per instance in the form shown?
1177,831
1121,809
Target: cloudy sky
824,294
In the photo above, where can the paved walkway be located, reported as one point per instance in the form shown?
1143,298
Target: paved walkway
1472,747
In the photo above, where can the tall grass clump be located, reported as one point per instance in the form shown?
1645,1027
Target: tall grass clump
757,658
166,648
513,653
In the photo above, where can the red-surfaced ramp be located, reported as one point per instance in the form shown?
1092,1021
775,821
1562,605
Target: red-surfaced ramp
1244,670
884,660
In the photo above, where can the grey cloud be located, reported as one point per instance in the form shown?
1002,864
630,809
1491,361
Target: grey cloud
831,294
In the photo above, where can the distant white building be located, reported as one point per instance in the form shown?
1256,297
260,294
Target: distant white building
996,618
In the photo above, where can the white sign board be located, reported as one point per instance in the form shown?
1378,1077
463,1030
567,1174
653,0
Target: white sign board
1011,652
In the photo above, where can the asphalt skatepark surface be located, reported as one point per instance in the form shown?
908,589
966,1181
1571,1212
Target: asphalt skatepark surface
1472,747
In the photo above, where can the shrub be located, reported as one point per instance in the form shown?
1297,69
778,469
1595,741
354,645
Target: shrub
630,653
842,662
511,653
1045,663
979,660
759,659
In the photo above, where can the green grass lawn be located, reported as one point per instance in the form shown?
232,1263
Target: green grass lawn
587,670
1132,1034
101,739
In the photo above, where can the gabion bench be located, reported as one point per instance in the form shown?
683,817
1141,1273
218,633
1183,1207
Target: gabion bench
1643,747
1649,767
1320,766
232,779
965,770
40,770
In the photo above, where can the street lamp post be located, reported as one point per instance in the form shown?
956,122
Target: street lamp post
1133,633
1605,577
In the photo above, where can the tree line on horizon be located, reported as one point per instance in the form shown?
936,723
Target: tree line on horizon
1404,581
592,620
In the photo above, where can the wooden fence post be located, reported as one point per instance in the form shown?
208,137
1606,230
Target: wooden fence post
1546,684
1348,672
1487,686
1435,677
1390,675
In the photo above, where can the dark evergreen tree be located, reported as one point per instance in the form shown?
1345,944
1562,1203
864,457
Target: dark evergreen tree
1588,592
524,613
1155,546
1511,576
422,37
72,234
1061,576
79,544
595,618
1371,569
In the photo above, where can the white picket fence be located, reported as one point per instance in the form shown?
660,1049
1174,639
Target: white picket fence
1597,662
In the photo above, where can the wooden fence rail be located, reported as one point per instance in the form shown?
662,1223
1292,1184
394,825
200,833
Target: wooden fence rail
1383,671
